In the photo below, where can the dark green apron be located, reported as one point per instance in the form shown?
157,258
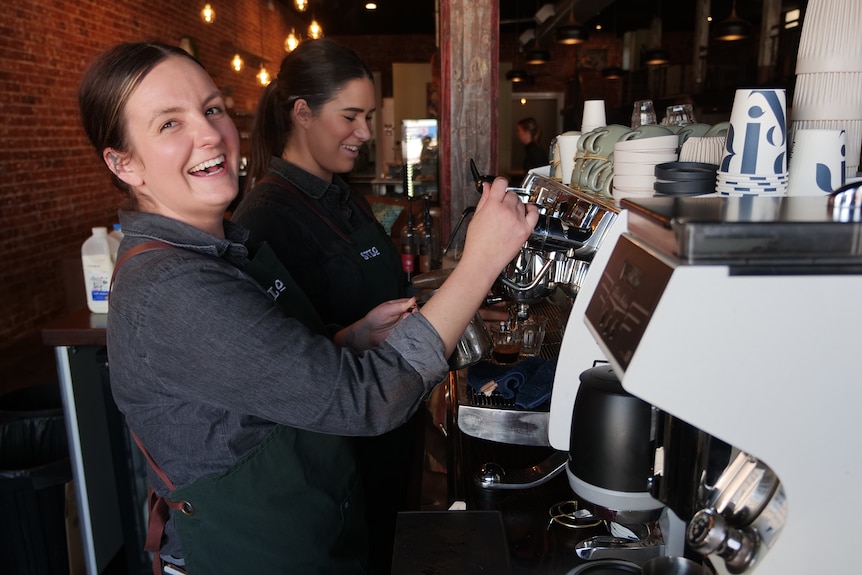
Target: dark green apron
290,506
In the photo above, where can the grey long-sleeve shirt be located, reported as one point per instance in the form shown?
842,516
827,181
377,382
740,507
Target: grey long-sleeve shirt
204,364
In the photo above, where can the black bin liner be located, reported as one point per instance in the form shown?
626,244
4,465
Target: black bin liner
34,469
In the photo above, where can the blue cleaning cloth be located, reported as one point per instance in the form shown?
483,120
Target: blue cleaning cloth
528,382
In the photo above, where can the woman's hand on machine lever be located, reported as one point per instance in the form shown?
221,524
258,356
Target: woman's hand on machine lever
500,226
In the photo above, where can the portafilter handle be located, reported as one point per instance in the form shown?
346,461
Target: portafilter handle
609,547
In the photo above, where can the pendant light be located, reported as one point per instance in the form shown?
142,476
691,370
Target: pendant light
572,32
300,5
516,75
733,27
208,14
314,30
656,55
237,62
613,72
262,75
537,55
291,42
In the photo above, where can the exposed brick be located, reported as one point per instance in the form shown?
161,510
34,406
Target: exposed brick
53,188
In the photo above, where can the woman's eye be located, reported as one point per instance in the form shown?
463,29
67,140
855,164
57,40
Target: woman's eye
168,124
213,110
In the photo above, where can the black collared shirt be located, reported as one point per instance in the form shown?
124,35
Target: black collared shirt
322,262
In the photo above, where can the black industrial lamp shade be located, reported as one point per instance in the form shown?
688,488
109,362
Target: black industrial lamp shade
538,56
572,34
656,57
516,76
613,73
732,29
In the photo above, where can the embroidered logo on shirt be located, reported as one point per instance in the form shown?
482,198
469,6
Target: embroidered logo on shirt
276,289
372,252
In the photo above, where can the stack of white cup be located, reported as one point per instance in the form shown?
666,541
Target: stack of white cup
594,116
754,161
828,93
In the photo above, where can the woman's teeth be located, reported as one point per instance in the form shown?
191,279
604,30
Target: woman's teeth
208,165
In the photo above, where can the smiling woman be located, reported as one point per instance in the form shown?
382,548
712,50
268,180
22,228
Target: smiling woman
244,404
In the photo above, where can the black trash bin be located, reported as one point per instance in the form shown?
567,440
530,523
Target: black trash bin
34,470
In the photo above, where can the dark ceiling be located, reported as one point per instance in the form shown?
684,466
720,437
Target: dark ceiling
349,17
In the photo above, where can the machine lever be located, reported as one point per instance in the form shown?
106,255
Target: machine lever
493,476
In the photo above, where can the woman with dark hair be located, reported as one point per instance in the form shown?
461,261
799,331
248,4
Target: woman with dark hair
528,134
309,127
241,408
310,123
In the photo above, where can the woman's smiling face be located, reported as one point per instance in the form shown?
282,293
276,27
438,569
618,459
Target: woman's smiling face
183,153
336,131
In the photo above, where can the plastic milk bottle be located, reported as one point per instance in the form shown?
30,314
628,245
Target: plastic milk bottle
98,263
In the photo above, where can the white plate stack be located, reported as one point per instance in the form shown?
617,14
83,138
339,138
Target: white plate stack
828,93
635,161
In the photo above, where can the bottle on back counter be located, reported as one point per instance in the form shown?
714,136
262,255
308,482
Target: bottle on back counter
429,245
409,248
98,265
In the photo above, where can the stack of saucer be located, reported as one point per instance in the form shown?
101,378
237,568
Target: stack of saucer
635,161
754,160
685,179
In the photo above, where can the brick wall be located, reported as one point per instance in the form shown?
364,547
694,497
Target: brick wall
53,189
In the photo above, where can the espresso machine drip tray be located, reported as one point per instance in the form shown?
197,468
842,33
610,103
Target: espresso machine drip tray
802,232
495,418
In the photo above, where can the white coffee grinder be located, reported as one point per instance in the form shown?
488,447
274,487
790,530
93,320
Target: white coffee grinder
737,318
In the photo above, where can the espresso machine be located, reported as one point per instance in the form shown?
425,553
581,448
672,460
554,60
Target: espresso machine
551,264
733,319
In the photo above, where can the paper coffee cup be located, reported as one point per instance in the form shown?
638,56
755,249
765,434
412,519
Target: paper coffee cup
756,142
817,162
594,115
568,143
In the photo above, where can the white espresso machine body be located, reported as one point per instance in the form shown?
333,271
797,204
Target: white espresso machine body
756,356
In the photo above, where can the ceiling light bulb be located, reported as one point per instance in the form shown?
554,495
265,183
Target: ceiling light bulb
291,42
263,76
237,62
314,30
371,6
300,5
208,14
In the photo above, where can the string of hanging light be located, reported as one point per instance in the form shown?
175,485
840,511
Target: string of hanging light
315,31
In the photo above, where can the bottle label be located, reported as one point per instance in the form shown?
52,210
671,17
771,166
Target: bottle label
424,263
408,262
97,275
